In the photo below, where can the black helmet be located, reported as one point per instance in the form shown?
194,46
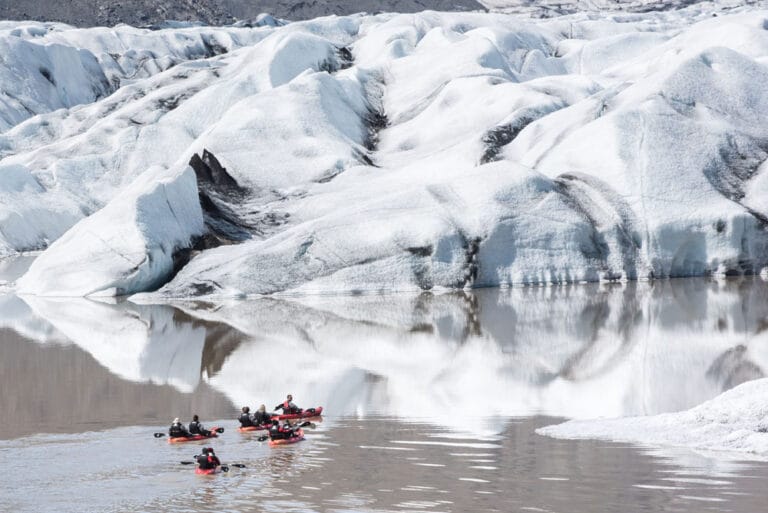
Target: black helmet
246,409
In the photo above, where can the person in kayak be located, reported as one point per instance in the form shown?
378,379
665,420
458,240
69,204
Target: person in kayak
278,432
245,418
261,417
288,406
177,430
208,460
196,428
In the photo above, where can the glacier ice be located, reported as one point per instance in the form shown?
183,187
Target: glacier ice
398,151
735,421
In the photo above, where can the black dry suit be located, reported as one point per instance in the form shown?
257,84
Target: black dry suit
276,432
177,431
196,428
261,417
207,461
245,420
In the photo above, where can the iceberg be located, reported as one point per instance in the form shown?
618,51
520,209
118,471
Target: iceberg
735,422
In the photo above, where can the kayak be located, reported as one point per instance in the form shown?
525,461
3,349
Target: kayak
284,441
249,429
207,471
195,438
303,415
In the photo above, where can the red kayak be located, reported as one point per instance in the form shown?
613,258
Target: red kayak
195,438
249,429
303,415
207,471
284,441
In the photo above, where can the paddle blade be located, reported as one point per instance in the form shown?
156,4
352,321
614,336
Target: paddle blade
159,435
224,468
238,465
263,438
187,462
219,430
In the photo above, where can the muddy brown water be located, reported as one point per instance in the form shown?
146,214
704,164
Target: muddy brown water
85,385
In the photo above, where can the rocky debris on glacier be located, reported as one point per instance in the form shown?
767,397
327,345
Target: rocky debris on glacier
217,12
213,12
422,151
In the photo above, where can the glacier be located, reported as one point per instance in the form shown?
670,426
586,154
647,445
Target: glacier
388,152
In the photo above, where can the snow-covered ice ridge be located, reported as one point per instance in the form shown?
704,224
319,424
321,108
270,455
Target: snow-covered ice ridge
387,152
735,421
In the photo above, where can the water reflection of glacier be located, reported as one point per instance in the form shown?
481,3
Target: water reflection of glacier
579,351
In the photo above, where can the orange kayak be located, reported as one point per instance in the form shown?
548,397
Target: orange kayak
249,429
195,438
284,441
207,471
303,415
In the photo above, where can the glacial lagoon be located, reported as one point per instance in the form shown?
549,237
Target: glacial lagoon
432,399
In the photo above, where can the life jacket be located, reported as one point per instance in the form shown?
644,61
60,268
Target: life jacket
287,406
194,428
245,420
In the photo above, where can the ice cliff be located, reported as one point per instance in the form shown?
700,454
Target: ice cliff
387,152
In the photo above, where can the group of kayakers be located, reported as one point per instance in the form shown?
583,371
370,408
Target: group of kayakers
278,433
262,419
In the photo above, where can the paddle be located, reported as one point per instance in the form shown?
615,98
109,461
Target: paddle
224,468
159,435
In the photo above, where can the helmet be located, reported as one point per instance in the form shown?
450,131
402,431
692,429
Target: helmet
246,409
210,450
176,420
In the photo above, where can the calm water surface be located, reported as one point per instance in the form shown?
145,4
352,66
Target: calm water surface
432,400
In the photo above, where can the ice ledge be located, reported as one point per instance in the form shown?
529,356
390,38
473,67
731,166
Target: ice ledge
733,422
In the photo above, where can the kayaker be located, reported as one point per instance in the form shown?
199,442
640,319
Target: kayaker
278,432
196,428
177,429
261,417
289,429
208,460
245,418
288,406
